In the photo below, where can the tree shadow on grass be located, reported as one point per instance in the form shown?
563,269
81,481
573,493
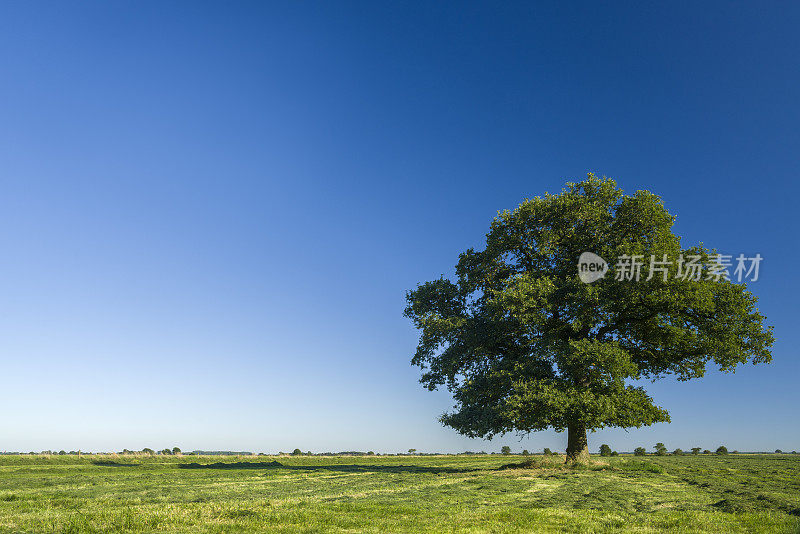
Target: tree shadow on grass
110,463
345,468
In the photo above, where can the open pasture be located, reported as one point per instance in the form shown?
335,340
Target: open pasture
736,493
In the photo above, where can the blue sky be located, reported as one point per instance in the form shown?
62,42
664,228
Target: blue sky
210,212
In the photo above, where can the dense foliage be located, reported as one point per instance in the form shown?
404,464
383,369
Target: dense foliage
524,345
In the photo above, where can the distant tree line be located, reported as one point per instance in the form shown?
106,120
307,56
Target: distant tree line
605,450
661,450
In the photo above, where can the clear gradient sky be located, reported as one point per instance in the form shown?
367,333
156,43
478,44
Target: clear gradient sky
210,211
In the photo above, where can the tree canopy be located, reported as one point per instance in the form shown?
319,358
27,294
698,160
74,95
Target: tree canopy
523,344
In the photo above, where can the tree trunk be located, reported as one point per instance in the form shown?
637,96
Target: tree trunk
577,445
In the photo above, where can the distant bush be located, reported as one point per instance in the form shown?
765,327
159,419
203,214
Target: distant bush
661,449
778,451
721,450
706,451
677,452
639,451
148,450
505,449
605,450
614,453
735,452
695,450
547,451
176,450
297,452
525,452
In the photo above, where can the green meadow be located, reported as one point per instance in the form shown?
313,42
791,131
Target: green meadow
481,493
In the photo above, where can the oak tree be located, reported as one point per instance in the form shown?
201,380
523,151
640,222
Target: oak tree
523,344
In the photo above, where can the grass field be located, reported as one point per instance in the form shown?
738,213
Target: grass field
736,493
